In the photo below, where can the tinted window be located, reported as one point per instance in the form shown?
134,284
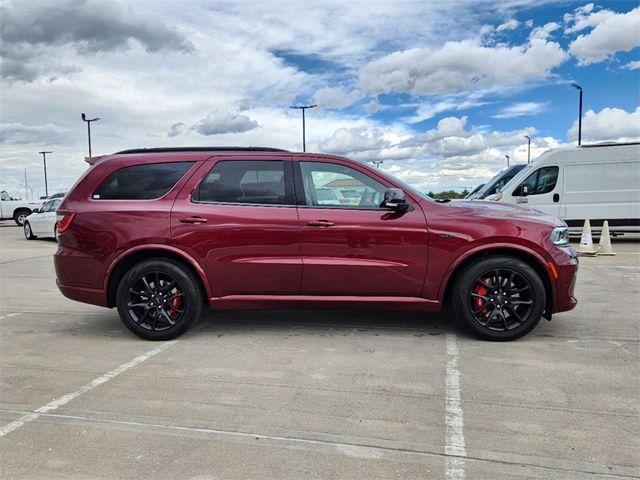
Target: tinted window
542,181
142,182
244,181
325,182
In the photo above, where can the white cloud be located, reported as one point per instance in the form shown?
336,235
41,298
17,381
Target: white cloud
460,66
217,123
612,124
632,65
511,24
612,33
521,109
348,141
545,31
335,97
584,17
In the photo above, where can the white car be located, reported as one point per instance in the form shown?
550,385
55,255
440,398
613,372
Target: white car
42,222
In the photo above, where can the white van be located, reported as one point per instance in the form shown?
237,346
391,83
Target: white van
599,182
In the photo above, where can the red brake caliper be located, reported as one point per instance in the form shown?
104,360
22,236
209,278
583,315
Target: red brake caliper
175,303
478,303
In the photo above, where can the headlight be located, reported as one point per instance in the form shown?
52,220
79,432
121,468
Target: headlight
560,236
496,197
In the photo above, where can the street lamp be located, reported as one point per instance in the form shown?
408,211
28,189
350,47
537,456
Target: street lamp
529,148
303,108
575,85
507,160
89,120
44,159
377,163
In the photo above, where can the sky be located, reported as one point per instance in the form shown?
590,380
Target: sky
440,91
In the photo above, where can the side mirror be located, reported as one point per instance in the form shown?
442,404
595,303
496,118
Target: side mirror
35,210
395,199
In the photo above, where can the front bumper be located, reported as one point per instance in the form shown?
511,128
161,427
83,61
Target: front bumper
566,263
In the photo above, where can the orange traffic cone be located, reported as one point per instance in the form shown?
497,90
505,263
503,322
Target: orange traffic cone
586,241
604,245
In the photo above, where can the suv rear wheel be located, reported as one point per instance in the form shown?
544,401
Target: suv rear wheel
499,298
159,299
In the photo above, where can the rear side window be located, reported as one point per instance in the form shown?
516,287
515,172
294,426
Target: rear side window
244,181
141,182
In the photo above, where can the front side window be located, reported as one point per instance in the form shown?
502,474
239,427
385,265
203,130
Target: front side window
50,206
141,182
244,181
333,185
542,181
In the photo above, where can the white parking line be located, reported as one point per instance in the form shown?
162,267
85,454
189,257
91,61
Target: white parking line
8,315
454,446
60,401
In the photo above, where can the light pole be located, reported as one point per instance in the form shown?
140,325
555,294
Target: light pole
529,148
377,163
575,85
44,159
303,108
507,160
89,120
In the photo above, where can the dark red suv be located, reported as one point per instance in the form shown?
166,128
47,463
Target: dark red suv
158,232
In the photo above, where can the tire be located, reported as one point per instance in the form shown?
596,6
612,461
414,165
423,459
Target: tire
159,299
20,216
28,233
504,313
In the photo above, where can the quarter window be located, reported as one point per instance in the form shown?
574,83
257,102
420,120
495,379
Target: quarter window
244,181
333,185
142,182
542,181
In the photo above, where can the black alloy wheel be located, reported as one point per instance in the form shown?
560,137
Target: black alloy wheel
499,298
159,299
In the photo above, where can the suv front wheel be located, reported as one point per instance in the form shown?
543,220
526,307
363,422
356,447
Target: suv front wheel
159,299
499,298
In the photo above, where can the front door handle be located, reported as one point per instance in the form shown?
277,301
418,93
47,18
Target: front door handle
193,220
320,223
556,197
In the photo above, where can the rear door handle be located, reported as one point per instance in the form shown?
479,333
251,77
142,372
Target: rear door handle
193,220
556,197
320,223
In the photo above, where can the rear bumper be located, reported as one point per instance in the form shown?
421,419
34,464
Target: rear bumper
79,276
83,294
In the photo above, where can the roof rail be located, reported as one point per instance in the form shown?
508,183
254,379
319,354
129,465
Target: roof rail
200,149
609,144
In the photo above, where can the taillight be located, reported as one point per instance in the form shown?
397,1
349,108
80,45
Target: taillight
63,221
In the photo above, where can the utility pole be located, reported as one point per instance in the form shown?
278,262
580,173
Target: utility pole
44,159
26,186
507,160
89,120
377,163
303,108
529,148
579,88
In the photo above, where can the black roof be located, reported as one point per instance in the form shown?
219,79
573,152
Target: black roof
201,149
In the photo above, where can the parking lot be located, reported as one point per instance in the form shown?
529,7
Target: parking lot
304,395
